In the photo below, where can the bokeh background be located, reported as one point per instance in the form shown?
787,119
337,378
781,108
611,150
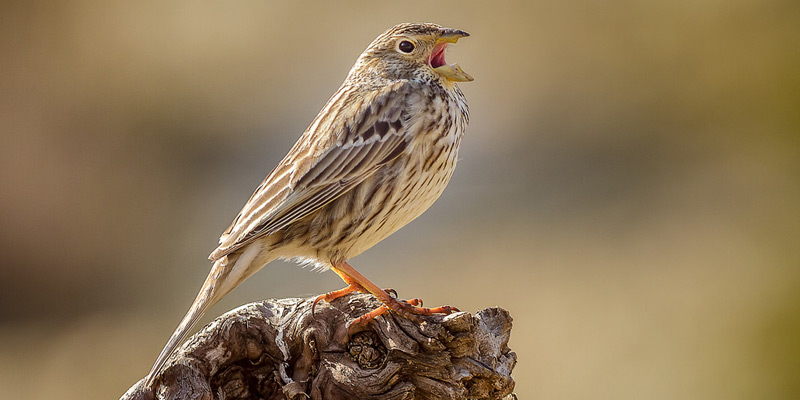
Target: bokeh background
628,189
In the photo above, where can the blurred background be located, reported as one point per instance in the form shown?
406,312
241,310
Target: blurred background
628,189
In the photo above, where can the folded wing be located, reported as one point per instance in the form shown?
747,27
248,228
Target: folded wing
334,155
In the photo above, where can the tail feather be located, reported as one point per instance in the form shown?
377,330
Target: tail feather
208,296
226,274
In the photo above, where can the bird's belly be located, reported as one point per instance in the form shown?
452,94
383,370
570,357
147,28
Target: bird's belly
349,225
412,195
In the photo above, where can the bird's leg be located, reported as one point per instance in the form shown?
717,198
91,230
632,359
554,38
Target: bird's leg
408,309
352,286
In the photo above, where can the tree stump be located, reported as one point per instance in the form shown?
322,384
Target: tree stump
275,349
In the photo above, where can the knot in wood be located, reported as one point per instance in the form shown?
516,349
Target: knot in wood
367,350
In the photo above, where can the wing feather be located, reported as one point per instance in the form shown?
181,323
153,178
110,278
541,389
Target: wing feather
334,155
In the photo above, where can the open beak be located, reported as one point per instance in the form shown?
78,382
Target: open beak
437,62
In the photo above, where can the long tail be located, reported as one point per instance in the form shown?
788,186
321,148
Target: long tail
226,274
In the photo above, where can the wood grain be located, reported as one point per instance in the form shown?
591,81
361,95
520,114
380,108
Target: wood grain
275,349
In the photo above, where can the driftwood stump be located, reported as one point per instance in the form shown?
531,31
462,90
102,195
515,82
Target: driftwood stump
275,349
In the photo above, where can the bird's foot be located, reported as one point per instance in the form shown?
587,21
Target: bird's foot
351,288
409,309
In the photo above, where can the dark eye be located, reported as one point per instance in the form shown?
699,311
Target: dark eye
405,46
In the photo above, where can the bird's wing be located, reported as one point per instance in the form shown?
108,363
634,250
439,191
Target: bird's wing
353,136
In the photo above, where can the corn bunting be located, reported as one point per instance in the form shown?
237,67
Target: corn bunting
377,156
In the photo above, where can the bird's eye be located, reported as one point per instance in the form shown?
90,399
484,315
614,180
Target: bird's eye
405,46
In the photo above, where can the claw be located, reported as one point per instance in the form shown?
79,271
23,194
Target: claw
408,309
314,306
351,326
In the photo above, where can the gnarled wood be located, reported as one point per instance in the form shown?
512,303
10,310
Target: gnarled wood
275,349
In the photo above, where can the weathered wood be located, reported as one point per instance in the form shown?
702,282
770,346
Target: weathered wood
275,349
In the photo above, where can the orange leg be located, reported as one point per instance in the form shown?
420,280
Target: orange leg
407,309
352,286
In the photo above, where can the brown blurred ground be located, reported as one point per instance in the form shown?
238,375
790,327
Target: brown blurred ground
629,188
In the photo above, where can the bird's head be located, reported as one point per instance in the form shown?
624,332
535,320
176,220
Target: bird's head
411,51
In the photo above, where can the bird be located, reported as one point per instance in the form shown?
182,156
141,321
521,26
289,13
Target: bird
377,155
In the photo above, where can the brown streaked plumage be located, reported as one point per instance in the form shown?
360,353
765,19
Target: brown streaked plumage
377,156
